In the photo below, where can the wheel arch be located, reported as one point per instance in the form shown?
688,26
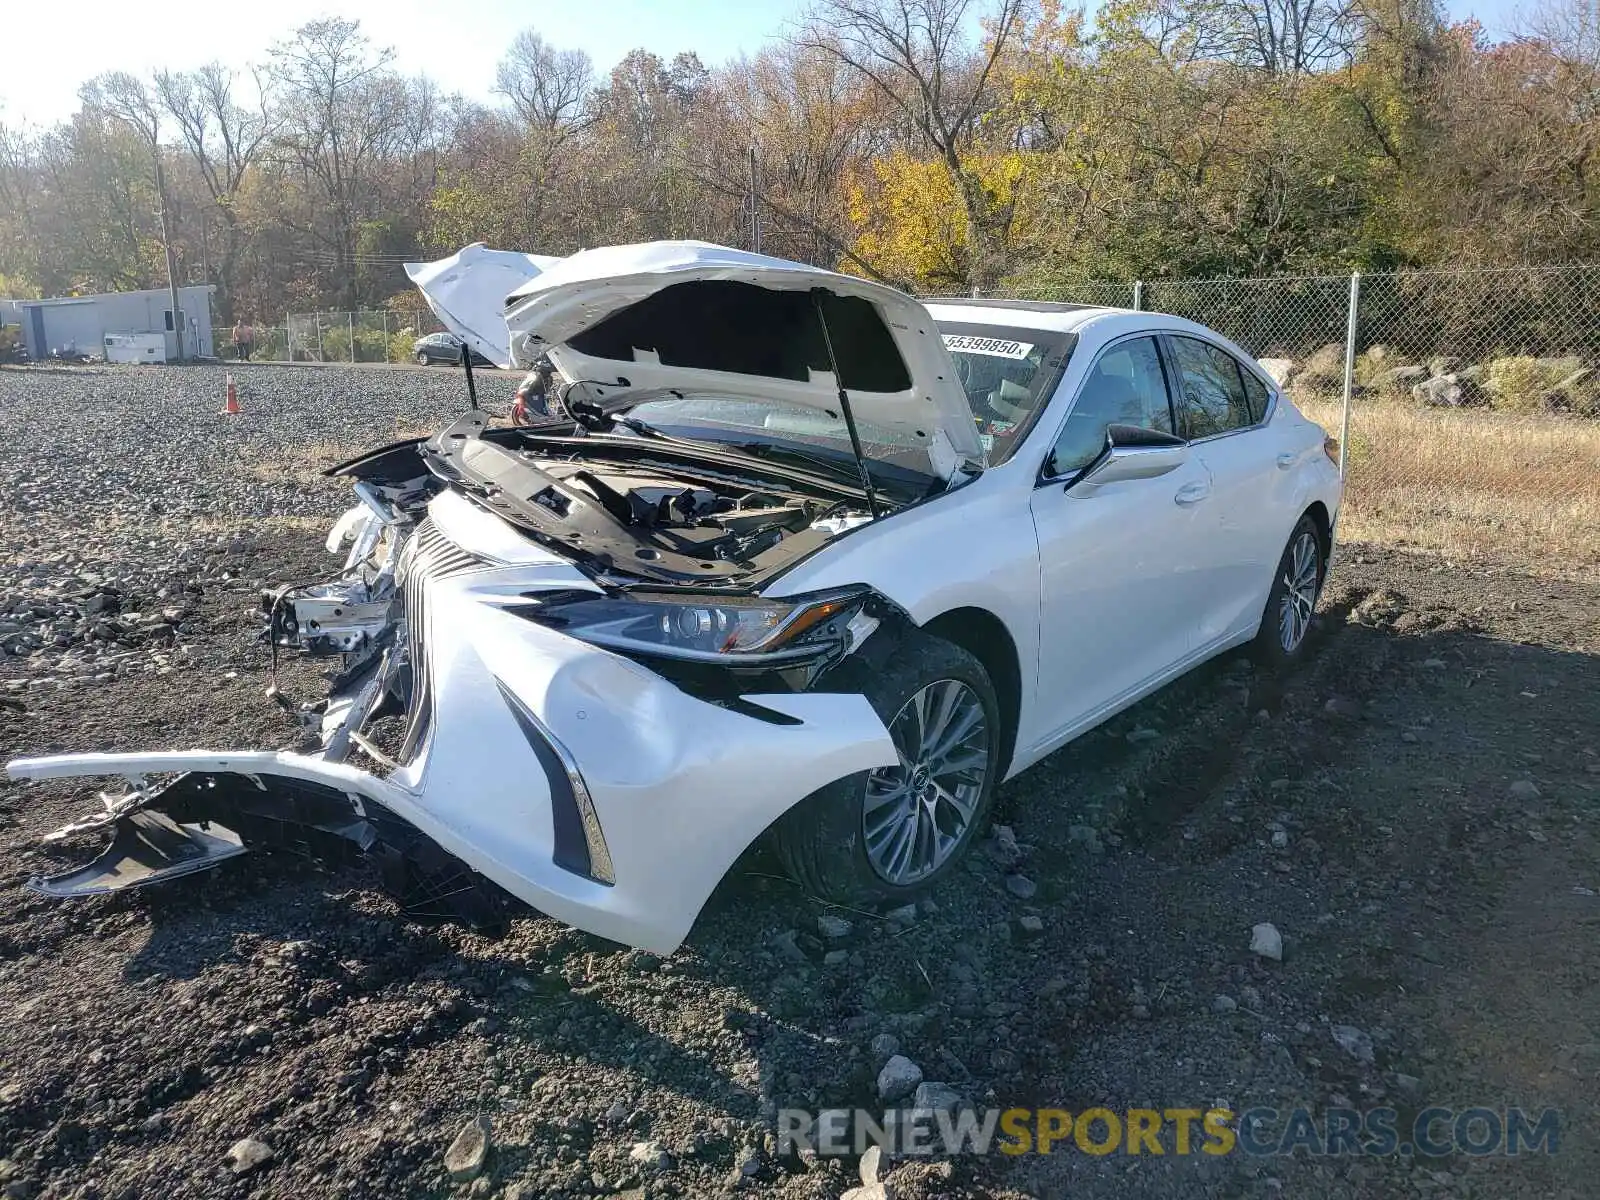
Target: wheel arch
1318,512
985,636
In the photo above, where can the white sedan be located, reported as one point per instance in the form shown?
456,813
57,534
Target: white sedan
789,553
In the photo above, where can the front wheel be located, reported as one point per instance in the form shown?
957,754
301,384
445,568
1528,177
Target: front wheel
422,359
889,834
1291,603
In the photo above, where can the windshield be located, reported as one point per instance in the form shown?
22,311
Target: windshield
1009,374
776,423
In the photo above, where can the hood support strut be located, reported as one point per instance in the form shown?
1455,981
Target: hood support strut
844,404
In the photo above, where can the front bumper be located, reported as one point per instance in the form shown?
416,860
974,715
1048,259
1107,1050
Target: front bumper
577,780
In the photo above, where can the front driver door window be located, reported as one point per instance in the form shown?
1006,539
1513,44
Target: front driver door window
1124,387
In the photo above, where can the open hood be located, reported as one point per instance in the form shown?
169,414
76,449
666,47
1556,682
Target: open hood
466,291
711,320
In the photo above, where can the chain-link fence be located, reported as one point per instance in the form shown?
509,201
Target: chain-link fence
1471,419
375,336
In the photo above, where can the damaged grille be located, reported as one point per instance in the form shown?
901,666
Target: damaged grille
429,555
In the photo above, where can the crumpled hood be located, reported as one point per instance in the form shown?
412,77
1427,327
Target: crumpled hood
467,291
736,323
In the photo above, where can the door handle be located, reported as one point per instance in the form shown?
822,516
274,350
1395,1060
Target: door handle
1287,460
1193,493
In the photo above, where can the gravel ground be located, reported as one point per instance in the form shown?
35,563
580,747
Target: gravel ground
1414,812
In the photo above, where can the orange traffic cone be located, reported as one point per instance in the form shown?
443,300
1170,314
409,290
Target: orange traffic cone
231,408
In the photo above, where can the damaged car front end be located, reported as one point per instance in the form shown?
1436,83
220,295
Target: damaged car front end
565,678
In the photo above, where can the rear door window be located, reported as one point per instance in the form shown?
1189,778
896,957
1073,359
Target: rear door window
1211,391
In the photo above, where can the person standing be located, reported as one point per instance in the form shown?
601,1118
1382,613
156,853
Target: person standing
238,339
249,340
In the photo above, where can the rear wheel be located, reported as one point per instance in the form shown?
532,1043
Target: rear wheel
1293,600
422,359
890,833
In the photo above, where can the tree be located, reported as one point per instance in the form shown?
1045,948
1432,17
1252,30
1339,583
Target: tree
916,54
547,87
224,138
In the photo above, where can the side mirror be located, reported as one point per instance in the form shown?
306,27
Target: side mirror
1131,453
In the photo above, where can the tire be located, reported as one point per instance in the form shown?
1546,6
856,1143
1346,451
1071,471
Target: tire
423,360
1285,622
824,843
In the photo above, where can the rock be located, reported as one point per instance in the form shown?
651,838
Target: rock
1086,836
652,1155
1003,847
906,914
1433,664
835,929
869,1166
1408,1086
1354,1042
1324,369
1342,706
898,1079
1143,734
465,1158
247,1154
786,947
885,1045
1442,364
1398,379
1449,391
835,958
936,1097
1251,996
1280,839
1279,370
1224,1004
1021,886
1266,941
1031,924
1524,791
869,1191
617,1113
748,1162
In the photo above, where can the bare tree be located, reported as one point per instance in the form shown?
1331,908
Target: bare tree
547,87
916,53
342,104
224,136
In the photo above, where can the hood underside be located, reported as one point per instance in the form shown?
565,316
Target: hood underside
692,316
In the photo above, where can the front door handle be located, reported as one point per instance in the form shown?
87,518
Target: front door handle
1287,460
1193,493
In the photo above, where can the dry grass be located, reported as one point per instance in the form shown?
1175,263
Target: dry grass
1472,483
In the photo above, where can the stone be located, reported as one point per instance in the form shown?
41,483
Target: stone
1086,836
1266,941
835,929
247,1154
1354,1042
1279,370
885,1045
652,1155
1398,379
1021,887
1524,791
1224,1004
1031,924
898,1079
466,1155
1280,839
936,1097
869,1166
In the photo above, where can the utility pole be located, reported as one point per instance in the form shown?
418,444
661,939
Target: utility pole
755,207
166,245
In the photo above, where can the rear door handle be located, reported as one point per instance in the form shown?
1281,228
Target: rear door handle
1193,493
1287,460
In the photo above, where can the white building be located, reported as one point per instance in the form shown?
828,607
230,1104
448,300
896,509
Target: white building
82,323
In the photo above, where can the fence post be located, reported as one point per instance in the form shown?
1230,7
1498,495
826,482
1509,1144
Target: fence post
1349,368
288,334
1138,295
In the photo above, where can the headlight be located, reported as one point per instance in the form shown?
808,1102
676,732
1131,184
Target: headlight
716,629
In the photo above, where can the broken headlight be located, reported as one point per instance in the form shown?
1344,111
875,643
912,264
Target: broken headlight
715,629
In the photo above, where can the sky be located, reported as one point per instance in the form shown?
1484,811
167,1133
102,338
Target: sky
43,57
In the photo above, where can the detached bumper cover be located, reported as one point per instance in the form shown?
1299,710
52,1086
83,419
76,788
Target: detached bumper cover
577,780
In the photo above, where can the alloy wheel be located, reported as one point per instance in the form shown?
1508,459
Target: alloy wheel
1300,582
917,812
